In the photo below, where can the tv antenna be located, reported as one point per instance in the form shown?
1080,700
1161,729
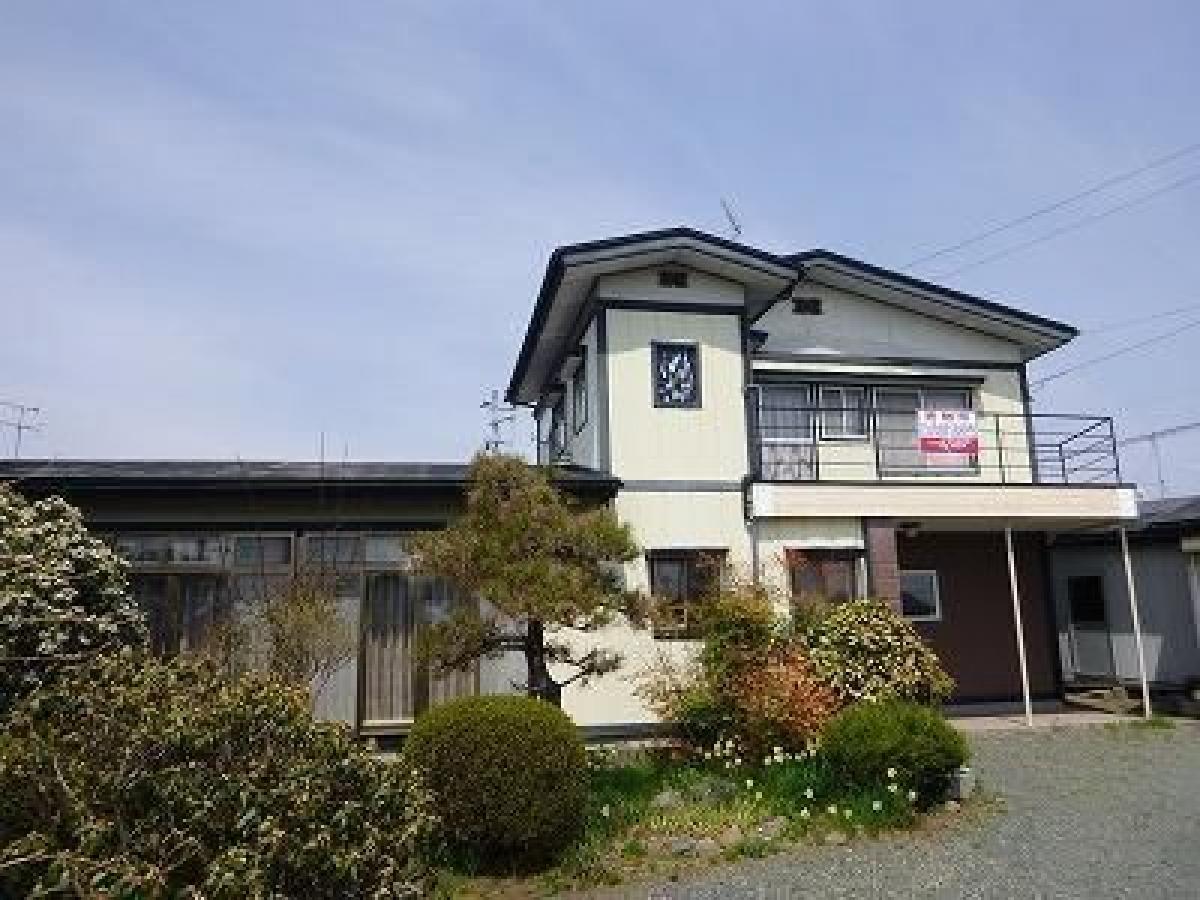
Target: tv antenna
734,226
21,424
498,415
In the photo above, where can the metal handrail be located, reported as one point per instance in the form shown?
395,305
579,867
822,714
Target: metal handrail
1022,447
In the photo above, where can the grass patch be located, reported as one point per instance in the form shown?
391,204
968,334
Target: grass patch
1156,722
653,818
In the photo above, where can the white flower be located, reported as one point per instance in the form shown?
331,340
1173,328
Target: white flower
749,782
877,805
605,811
737,760
707,754
849,812
804,812
728,764
758,795
831,809
912,795
891,773
893,788
766,760
808,792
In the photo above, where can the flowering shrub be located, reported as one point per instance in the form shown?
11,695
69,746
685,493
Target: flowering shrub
780,702
865,651
133,777
62,594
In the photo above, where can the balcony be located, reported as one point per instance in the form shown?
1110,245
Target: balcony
878,436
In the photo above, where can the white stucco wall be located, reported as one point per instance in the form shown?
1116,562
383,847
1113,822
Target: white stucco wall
857,326
642,285
681,444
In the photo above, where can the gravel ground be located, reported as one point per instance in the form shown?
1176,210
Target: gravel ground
1090,812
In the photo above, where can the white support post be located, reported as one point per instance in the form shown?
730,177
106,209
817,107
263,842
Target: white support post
1131,589
1020,626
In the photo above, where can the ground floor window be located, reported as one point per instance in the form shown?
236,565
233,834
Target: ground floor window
920,599
679,582
823,576
1085,596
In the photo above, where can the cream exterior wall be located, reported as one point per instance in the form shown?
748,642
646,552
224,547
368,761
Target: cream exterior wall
857,326
646,442
642,285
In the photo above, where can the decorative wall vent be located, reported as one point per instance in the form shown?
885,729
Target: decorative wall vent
806,306
672,278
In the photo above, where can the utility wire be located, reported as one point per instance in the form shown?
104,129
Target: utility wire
1120,351
1140,320
1054,206
1078,223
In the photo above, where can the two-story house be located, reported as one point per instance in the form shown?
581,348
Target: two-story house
832,427
817,422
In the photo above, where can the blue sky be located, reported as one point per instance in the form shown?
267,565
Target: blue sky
226,228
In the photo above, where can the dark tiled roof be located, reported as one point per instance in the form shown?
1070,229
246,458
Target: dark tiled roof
1168,511
145,471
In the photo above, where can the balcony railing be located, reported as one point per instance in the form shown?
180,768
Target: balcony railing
793,441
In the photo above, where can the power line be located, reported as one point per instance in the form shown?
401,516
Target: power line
1120,351
1055,205
1140,320
1072,226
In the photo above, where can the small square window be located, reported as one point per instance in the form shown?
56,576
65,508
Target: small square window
676,375
919,596
672,278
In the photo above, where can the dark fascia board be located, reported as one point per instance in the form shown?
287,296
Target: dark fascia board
154,475
555,268
928,287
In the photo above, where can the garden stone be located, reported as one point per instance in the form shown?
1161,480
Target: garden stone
667,799
962,784
707,846
953,806
732,835
683,846
772,828
713,789
835,838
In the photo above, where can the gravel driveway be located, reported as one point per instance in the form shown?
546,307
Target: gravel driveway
1090,812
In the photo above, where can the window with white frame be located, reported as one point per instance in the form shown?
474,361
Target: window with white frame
843,412
920,598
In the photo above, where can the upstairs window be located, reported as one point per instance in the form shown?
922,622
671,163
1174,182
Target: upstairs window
680,580
843,412
579,394
676,375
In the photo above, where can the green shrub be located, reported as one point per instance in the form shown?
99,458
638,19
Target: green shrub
864,650
133,777
508,776
870,744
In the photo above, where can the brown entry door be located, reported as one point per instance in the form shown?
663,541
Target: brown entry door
822,576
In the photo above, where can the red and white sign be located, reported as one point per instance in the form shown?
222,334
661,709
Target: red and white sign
947,431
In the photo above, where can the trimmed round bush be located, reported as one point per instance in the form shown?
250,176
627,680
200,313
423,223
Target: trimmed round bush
508,776
867,740
864,650
134,777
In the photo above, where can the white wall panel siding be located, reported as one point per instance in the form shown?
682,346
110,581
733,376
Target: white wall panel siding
642,285
1164,603
858,326
654,443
